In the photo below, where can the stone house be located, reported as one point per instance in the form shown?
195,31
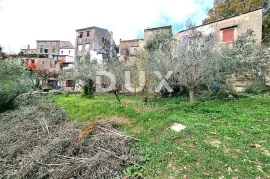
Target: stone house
227,30
54,56
132,47
60,54
93,38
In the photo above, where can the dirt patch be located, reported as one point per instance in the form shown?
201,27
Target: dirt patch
177,141
213,142
39,142
118,119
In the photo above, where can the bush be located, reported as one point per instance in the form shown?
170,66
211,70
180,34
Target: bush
258,89
15,80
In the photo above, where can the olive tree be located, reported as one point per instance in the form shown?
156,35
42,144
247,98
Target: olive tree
160,61
15,80
84,72
115,78
197,61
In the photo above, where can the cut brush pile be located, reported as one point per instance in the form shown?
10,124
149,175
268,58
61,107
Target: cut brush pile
39,142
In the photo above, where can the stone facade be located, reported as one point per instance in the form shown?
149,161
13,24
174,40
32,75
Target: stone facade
48,47
54,54
93,38
134,46
153,31
238,24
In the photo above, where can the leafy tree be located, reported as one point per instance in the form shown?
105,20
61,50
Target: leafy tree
14,81
45,74
160,49
118,70
84,71
244,58
197,62
226,8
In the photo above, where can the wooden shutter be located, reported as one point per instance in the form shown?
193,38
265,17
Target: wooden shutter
228,35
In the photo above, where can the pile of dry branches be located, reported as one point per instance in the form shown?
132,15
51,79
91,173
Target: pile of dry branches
39,142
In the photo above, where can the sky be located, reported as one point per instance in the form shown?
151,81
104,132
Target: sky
25,21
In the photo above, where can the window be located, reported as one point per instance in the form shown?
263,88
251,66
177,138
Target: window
45,50
228,35
62,51
41,50
69,83
65,64
87,46
88,34
81,35
69,52
53,50
80,47
102,39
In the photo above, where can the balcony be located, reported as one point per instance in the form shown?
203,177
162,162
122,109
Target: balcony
63,59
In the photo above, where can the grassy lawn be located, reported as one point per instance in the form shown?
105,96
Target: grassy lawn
217,140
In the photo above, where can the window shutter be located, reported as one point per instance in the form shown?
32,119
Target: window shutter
228,35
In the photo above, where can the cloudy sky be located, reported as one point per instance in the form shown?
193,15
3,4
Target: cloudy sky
25,21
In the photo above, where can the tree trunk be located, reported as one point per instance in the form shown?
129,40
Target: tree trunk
117,97
191,94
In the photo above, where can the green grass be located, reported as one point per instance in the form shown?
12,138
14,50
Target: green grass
215,143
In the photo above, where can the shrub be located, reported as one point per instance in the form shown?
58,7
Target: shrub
15,80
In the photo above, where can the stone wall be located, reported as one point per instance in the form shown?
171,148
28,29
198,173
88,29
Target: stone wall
49,45
241,23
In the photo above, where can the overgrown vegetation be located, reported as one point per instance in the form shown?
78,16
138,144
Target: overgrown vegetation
197,61
15,80
219,140
37,141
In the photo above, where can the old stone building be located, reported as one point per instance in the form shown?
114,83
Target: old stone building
59,54
132,47
93,38
227,30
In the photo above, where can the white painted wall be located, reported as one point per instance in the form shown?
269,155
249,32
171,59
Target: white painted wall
97,57
68,52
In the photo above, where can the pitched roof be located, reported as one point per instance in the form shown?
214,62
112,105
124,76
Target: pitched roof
88,28
66,45
219,20
158,28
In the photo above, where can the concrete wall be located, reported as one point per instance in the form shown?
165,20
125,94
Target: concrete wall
251,20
